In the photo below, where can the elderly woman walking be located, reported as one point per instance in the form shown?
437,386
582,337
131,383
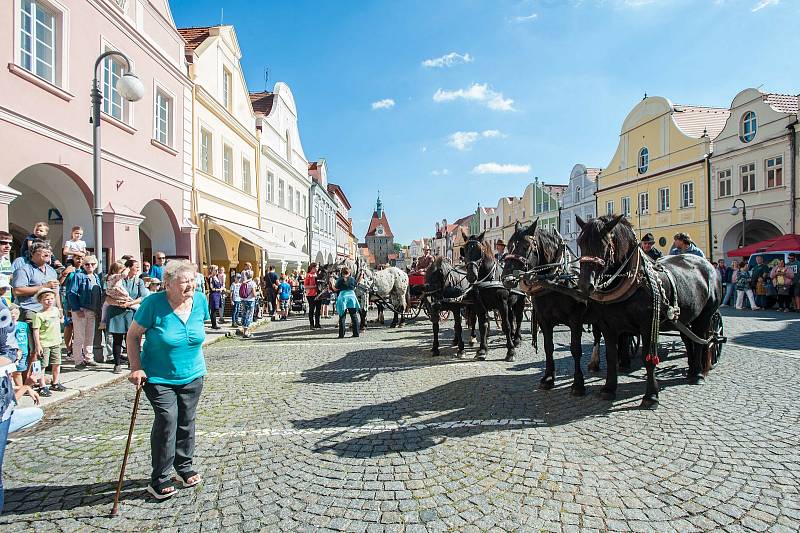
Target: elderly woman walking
85,298
347,302
171,367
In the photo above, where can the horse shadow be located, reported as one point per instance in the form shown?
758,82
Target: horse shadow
36,499
468,407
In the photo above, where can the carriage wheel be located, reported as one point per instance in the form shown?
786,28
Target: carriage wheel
717,336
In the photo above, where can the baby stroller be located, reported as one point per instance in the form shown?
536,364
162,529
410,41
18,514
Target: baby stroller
299,302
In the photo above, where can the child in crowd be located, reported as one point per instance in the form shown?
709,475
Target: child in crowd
284,294
115,292
18,340
743,277
5,289
40,231
75,246
47,340
236,300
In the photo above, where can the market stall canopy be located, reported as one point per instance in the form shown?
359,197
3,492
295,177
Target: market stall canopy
276,251
790,242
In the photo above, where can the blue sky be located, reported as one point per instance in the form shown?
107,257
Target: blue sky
514,89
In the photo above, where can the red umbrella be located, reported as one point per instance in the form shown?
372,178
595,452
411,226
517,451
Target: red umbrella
790,241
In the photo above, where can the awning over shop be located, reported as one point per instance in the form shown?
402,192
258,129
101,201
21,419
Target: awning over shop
276,251
788,242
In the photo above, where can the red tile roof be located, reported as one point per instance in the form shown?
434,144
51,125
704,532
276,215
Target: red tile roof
695,121
194,37
262,103
785,103
383,221
311,166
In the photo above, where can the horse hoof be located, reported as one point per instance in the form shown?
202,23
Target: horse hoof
510,358
608,395
649,402
547,383
696,379
460,353
435,352
577,390
592,367
481,356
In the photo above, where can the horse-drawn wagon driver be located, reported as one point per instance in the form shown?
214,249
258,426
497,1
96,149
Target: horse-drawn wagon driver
647,245
425,260
500,251
683,245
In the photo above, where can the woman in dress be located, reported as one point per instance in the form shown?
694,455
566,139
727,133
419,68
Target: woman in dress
120,318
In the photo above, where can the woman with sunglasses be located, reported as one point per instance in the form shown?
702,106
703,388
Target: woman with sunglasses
85,298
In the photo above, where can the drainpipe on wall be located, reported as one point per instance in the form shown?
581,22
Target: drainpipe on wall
793,175
707,157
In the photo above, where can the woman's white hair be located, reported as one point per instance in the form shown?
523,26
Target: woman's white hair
176,267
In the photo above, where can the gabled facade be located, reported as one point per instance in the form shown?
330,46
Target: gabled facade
322,222
379,238
543,202
47,167
497,220
344,224
659,174
753,161
578,199
284,173
226,165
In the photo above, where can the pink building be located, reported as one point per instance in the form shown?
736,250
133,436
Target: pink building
46,168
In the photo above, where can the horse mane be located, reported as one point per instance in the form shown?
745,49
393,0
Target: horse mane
549,244
487,250
624,240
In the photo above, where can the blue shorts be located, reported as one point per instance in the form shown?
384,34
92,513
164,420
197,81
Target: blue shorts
22,364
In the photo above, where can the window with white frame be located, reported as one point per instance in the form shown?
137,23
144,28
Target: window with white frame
644,203
163,118
288,147
227,164
643,162
39,44
297,202
113,102
747,173
291,198
610,207
687,194
568,226
774,172
663,199
270,187
305,205
626,206
724,183
227,88
748,127
205,150
316,214
281,198
246,176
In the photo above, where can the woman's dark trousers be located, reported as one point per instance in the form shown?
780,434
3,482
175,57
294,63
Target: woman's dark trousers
172,436
314,309
116,347
214,314
353,321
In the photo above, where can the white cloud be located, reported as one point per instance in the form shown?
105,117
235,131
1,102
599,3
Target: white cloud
498,168
526,18
463,140
764,3
424,149
386,103
477,92
443,172
447,60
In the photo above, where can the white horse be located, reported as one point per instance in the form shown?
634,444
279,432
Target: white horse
389,285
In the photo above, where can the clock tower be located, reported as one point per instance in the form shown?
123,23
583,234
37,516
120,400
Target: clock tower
379,238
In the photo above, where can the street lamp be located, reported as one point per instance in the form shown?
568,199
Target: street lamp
131,89
735,211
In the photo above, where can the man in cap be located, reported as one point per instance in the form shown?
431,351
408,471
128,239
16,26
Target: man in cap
647,245
500,251
426,260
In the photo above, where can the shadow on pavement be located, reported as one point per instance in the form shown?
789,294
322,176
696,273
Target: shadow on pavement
47,498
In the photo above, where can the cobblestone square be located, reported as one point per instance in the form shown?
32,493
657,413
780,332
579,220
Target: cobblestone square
300,431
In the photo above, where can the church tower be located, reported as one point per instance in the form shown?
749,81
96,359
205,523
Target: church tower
379,238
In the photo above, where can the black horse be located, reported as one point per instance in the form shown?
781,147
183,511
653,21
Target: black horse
445,287
544,257
629,294
488,293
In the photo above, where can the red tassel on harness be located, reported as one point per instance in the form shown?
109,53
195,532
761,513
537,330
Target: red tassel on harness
653,358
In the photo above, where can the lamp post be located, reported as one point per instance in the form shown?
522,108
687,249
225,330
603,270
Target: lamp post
735,211
131,89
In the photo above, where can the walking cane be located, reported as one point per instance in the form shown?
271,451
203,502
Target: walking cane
115,509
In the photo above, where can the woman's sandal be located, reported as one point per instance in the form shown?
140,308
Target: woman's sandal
158,493
183,480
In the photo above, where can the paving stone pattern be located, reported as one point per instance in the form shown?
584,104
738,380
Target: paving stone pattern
300,431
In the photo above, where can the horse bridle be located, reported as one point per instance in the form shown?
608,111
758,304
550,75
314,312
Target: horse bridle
476,263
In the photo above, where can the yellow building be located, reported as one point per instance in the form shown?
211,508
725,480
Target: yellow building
659,175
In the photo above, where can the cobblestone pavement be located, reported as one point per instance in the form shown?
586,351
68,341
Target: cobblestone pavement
298,430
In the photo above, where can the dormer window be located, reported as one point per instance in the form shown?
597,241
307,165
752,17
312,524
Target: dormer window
748,127
644,160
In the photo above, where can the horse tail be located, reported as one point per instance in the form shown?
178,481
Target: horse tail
535,331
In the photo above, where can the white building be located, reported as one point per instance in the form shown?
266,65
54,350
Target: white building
578,199
284,173
322,231
753,162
